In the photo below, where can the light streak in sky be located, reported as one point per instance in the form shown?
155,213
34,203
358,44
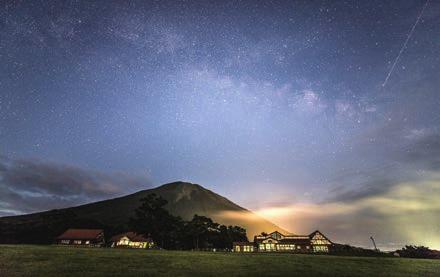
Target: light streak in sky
408,37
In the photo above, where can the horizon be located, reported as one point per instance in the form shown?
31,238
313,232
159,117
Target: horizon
318,115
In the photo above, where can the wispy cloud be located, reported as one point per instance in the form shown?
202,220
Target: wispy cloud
408,206
33,185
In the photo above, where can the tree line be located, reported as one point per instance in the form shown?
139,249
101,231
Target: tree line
172,232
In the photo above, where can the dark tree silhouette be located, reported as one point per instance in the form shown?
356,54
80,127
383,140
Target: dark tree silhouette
420,252
202,230
171,232
152,219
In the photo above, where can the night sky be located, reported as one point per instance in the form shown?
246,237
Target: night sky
285,108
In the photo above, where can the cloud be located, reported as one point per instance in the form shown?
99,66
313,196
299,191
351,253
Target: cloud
424,152
32,185
408,213
396,153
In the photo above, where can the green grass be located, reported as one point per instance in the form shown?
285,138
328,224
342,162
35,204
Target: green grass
27,260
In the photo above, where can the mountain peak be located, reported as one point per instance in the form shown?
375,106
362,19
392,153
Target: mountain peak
184,199
179,184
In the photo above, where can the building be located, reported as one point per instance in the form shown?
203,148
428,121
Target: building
241,246
131,240
277,242
85,237
319,242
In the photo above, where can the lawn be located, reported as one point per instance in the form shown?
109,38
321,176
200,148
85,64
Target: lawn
26,260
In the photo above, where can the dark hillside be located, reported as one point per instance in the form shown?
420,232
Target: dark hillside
184,199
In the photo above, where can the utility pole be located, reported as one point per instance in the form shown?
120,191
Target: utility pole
374,243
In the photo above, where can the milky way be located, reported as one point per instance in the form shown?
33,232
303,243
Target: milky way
276,105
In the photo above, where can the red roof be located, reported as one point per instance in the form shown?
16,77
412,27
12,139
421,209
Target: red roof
132,236
81,234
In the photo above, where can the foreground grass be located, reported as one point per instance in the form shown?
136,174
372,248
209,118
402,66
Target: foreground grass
65,261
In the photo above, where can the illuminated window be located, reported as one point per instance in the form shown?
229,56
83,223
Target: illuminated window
124,241
248,248
319,239
65,241
320,248
237,248
270,246
77,242
87,242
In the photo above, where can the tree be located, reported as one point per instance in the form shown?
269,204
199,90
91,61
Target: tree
152,219
202,230
227,235
171,232
421,252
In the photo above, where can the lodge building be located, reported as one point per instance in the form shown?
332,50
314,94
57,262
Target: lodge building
277,242
132,240
82,237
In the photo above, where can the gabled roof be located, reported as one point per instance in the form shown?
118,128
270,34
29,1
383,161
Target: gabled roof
269,235
318,232
81,234
293,239
276,232
286,239
132,236
282,238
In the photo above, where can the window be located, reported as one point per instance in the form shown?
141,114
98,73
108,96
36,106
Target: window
77,242
319,239
124,241
248,248
65,241
286,247
289,247
320,248
87,242
269,246
237,248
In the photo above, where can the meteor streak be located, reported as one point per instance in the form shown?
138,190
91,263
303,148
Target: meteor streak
408,37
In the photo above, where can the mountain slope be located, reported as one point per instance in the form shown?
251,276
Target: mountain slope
184,199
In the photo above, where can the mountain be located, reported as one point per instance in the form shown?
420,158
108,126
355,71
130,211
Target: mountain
184,200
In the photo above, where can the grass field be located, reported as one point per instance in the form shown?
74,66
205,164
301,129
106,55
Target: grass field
26,260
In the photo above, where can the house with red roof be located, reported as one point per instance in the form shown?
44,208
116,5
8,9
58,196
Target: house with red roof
82,237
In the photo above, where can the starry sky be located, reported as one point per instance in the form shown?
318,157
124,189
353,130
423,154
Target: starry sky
284,107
